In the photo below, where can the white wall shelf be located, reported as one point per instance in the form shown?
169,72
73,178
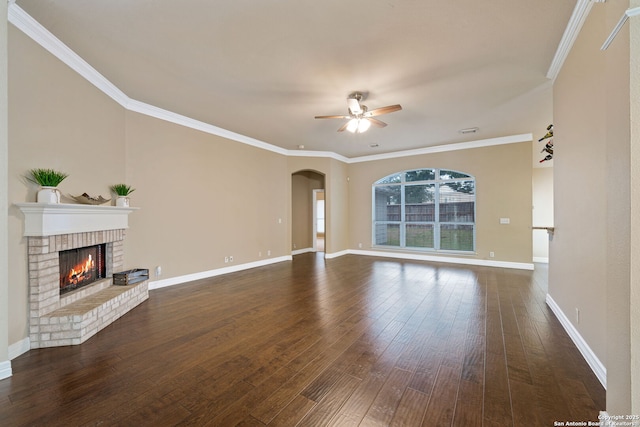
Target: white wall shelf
43,219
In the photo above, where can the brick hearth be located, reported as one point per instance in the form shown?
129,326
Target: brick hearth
78,315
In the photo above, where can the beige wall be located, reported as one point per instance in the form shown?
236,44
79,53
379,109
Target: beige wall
202,198
337,198
589,254
503,186
4,161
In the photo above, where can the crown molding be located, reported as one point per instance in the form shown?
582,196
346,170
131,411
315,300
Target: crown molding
169,116
513,139
323,154
579,15
32,28
623,19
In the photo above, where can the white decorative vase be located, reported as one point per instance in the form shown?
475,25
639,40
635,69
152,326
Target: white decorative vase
48,195
122,201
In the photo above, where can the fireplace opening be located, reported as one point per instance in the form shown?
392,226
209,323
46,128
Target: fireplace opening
82,266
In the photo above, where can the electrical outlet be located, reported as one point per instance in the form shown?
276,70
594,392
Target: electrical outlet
158,271
259,254
226,259
268,253
492,254
360,245
231,258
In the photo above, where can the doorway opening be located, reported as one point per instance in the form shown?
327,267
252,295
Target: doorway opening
309,231
542,222
318,220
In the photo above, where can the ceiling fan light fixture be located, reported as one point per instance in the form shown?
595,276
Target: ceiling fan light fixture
360,118
363,125
358,125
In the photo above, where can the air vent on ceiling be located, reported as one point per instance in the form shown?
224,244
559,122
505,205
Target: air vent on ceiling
468,130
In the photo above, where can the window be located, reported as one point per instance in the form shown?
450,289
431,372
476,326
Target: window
425,209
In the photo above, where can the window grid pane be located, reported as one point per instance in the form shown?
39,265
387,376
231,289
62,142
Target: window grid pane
387,234
391,179
456,237
420,175
387,203
446,175
457,202
420,203
419,235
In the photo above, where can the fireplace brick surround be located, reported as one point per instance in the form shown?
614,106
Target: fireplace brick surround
74,317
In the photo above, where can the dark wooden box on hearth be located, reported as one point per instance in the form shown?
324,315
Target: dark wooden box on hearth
129,277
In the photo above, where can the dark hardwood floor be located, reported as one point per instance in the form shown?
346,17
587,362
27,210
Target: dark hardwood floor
341,342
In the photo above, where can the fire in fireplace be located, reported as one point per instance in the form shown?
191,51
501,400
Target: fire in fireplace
82,266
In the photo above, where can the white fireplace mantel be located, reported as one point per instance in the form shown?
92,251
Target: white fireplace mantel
42,219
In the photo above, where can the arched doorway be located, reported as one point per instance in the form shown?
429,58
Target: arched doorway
307,212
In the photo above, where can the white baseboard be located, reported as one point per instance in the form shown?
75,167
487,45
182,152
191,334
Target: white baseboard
19,348
5,369
157,284
302,251
596,366
337,254
543,260
436,258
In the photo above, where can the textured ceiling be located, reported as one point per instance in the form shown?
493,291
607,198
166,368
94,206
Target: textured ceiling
265,69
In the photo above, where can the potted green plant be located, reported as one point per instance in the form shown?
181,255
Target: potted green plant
48,179
122,191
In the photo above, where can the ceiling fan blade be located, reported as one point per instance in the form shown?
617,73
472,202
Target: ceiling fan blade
332,117
343,127
354,106
383,110
376,122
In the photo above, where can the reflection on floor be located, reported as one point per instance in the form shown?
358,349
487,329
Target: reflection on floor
320,243
541,275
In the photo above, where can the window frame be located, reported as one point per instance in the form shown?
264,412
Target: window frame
436,224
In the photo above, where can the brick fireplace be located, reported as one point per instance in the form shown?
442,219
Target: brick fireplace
75,316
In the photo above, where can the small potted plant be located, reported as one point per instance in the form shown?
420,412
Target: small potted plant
122,191
48,179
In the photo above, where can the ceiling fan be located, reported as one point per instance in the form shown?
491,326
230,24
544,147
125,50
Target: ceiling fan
360,118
